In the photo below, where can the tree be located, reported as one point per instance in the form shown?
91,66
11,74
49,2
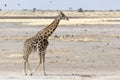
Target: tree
5,5
80,10
34,9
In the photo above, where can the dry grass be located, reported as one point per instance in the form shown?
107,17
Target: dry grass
85,39
12,38
79,18
89,21
75,39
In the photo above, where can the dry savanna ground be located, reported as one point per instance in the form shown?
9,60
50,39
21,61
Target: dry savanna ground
84,48
76,18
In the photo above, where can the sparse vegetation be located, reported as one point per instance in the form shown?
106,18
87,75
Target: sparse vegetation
34,9
80,10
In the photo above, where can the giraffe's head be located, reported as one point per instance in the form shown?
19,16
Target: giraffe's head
62,16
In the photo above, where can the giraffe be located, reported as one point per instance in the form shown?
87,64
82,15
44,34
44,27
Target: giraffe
38,43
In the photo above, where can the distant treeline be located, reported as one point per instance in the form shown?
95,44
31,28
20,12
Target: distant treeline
81,10
70,9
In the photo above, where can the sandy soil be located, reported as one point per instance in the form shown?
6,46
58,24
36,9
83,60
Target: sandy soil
76,18
75,53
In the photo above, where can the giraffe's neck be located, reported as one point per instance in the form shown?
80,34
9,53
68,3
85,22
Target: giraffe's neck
47,32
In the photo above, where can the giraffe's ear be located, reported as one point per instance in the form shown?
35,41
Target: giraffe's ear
59,12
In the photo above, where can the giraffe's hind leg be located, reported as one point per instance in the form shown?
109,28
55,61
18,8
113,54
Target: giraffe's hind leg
26,63
26,66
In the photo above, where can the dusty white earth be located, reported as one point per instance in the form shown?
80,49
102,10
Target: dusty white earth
74,53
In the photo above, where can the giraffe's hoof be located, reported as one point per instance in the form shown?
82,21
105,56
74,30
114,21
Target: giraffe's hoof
31,74
45,74
25,74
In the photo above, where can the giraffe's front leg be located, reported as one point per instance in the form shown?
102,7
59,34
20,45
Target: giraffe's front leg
44,65
40,61
46,43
